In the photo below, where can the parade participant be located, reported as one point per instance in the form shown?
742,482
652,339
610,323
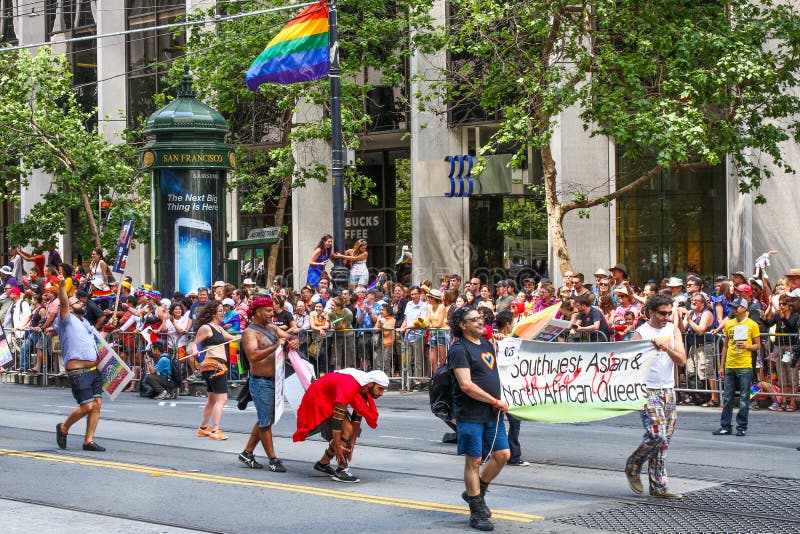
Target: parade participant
260,341
659,416
324,410
79,352
214,367
477,410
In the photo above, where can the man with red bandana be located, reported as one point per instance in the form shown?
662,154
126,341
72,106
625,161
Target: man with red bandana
324,410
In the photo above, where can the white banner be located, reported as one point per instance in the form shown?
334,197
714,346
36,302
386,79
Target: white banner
573,382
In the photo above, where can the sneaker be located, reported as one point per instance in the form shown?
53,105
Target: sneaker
203,432
741,433
519,462
276,465
344,475
163,395
61,437
723,431
666,495
174,394
247,458
217,435
325,468
634,482
92,446
772,407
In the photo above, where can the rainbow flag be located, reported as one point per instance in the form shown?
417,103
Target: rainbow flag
298,53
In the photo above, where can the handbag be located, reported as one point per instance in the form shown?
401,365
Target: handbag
315,347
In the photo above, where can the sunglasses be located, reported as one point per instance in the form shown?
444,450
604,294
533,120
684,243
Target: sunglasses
604,285
664,313
475,319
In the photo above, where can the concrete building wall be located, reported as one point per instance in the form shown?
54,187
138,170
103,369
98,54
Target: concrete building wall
440,226
585,164
312,205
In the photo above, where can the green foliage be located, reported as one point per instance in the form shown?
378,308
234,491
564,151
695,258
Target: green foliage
43,126
687,81
403,205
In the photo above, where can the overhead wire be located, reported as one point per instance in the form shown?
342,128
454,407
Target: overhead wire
214,20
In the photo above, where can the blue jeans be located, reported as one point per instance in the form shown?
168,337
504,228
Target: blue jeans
28,347
736,380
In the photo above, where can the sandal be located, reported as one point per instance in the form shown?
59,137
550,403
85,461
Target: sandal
710,404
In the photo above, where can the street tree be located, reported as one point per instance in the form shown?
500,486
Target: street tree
263,124
680,84
43,127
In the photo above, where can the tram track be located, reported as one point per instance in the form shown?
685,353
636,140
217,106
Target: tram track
741,513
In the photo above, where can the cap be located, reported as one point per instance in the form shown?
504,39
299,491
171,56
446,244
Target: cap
51,287
793,273
435,293
219,283
15,291
625,290
738,303
674,281
759,283
5,269
502,283
744,288
601,272
192,293
794,293
228,302
248,282
620,267
73,300
126,285
722,278
740,273
165,302
680,299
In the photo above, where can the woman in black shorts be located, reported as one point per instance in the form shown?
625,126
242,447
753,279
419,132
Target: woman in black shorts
214,366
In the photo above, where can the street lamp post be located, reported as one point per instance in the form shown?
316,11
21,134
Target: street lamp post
339,274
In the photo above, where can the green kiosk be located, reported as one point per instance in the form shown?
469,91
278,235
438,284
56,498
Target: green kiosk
188,160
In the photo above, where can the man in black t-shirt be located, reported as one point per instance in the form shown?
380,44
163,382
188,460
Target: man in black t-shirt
477,407
282,318
588,319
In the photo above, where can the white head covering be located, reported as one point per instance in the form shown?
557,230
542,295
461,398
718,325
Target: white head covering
379,377
361,377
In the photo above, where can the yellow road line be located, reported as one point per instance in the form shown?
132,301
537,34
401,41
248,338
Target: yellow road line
248,482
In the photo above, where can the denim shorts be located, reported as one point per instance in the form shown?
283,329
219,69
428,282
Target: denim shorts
475,439
359,279
263,392
86,386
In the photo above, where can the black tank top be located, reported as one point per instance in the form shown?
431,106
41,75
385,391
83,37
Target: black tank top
216,338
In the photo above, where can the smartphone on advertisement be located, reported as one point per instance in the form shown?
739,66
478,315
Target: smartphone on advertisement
193,259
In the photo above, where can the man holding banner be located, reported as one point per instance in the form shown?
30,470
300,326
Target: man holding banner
658,416
260,342
79,352
478,408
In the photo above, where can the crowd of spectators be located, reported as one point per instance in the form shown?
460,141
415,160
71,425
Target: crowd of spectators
390,326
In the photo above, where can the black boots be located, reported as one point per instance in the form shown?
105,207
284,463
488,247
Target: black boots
479,514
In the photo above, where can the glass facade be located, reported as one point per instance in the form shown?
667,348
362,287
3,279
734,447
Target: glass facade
149,53
673,225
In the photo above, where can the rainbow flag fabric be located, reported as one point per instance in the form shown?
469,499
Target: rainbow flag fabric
299,53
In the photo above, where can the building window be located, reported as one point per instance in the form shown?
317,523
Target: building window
7,32
149,53
673,225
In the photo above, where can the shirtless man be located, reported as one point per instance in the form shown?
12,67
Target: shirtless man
260,341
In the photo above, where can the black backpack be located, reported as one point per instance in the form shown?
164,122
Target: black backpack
178,371
442,386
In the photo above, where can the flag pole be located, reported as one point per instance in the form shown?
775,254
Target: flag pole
339,274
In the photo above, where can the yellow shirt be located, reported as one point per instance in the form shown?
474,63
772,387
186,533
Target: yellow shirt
740,358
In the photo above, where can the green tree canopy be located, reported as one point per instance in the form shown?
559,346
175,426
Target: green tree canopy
43,127
681,83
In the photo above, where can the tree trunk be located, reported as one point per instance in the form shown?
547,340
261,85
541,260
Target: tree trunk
555,214
280,212
87,209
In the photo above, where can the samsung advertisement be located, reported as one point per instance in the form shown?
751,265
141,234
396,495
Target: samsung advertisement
192,227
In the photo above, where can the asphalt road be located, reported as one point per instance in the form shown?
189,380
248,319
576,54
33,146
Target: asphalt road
157,476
